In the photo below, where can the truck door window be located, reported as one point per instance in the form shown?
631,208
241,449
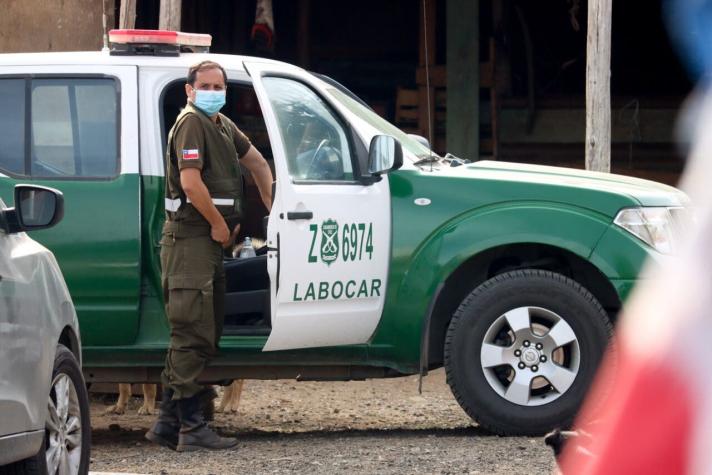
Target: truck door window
12,125
74,128
314,138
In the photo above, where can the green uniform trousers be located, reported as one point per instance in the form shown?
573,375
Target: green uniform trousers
193,281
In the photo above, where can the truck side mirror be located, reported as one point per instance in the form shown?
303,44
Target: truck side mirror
384,155
36,207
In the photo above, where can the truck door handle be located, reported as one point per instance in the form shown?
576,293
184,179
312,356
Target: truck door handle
299,215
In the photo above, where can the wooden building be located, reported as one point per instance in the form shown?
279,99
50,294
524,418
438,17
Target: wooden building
506,78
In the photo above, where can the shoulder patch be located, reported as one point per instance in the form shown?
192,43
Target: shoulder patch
192,154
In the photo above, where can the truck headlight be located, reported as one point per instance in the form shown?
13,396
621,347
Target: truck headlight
659,227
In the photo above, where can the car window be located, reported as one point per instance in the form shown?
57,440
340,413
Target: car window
12,125
315,141
74,127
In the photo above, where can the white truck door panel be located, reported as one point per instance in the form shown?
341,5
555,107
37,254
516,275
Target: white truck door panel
331,234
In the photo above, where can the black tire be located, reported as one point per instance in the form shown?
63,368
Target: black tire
66,364
477,319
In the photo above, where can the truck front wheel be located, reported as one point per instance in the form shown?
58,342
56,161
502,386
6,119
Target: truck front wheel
522,349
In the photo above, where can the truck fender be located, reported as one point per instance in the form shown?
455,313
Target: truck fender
447,248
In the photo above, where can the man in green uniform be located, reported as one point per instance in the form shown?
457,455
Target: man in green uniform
203,208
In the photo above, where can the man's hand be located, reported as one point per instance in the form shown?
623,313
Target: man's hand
220,233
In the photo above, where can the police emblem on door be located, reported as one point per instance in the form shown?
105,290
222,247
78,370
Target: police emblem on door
329,241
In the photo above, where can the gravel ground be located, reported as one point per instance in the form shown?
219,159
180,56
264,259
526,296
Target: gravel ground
377,426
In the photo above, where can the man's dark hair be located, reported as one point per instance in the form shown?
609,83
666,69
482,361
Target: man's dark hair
204,66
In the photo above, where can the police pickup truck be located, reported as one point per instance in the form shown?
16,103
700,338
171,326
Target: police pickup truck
382,259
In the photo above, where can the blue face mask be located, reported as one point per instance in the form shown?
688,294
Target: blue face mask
209,102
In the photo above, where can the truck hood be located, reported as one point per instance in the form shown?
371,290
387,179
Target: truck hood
603,192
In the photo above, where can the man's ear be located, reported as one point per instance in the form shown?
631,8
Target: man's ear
189,92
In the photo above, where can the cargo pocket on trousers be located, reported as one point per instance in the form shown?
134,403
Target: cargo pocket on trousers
190,299
168,239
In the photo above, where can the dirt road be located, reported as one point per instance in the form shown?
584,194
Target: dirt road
378,426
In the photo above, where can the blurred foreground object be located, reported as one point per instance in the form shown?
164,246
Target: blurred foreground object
689,23
650,410
652,402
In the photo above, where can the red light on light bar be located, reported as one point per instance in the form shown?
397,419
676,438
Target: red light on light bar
165,37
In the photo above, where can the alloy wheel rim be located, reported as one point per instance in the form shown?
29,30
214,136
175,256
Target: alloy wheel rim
530,356
63,428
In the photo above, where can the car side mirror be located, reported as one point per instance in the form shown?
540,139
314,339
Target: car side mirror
36,207
384,155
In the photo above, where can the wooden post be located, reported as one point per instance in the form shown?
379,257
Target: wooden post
502,66
463,78
303,29
127,14
598,86
425,126
169,18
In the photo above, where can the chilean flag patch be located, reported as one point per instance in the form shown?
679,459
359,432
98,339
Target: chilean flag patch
191,154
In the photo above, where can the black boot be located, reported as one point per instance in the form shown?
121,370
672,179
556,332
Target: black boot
165,430
194,431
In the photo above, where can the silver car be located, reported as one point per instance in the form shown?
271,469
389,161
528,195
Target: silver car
44,407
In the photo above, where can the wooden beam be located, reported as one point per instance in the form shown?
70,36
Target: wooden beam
438,76
169,18
463,78
127,14
427,35
598,86
303,41
503,80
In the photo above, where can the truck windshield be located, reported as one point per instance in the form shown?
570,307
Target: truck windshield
418,150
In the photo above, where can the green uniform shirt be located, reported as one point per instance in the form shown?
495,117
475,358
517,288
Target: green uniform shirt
213,148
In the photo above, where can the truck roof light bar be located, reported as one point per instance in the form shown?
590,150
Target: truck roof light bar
156,42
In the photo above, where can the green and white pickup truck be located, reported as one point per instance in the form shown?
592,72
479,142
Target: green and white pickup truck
508,275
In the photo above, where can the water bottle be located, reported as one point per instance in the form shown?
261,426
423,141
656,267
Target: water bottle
247,249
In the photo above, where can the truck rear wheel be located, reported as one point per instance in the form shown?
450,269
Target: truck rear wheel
522,349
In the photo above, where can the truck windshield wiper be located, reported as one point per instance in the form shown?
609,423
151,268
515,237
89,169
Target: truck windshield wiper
428,159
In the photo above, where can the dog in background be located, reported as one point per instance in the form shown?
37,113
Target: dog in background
229,403
231,397
149,400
